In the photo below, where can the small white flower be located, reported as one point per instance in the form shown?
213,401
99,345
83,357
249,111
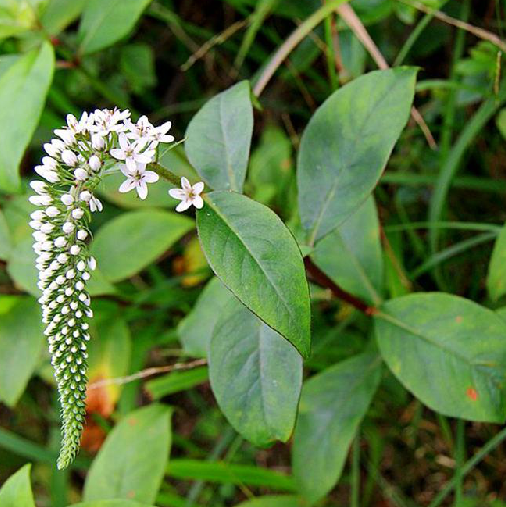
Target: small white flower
66,135
68,227
188,195
159,134
94,163
92,263
67,199
47,174
75,249
49,163
40,200
77,213
132,152
95,205
97,142
140,130
85,196
138,179
80,174
82,235
69,157
39,186
107,121
52,211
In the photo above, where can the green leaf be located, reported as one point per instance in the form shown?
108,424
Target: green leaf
351,255
21,342
58,14
196,329
448,351
132,461
103,24
496,280
5,238
127,244
23,89
17,491
219,138
111,503
346,146
176,381
332,405
257,258
229,473
138,66
256,376
273,501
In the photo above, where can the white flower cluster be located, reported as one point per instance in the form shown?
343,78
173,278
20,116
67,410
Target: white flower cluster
75,163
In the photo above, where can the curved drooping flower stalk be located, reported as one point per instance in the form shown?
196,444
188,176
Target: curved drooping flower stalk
75,164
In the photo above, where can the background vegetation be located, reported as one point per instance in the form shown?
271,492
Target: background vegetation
440,203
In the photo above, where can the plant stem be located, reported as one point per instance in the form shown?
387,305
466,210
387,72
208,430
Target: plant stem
295,38
355,472
322,279
460,454
165,174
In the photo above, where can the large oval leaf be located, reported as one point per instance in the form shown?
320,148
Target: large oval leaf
331,407
23,89
351,254
129,243
219,138
347,143
104,23
449,352
496,281
132,460
196,329
111,503
273,501
17,490
256,375
21,342
257,258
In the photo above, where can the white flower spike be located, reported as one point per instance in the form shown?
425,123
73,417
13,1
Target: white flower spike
138,180
73,169
188,195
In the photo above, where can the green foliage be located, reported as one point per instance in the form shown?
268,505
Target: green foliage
103,25
259,261
332,406
346,145
131,463
219,138
17,491
351,254
429,342
496,281
258,398
129,243
23,89
21,342
196,329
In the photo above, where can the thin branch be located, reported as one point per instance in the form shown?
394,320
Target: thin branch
352,20
478,32
322,279
148,372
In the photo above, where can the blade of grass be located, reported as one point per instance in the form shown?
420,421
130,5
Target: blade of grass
355,471
460,456
218,471
452,251
468,466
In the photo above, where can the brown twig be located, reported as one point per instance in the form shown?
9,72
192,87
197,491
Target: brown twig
148,372
478,32
322,279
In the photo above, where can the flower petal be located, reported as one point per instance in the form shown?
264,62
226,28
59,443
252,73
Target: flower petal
150,177
183,206
198,202
131,165
142,189
127,185
177,193
185,184
118,154
198,187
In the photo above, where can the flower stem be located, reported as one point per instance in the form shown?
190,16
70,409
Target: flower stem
165,174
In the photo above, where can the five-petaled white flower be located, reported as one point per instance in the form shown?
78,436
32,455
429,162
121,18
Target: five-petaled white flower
132,153
138,179
188,195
